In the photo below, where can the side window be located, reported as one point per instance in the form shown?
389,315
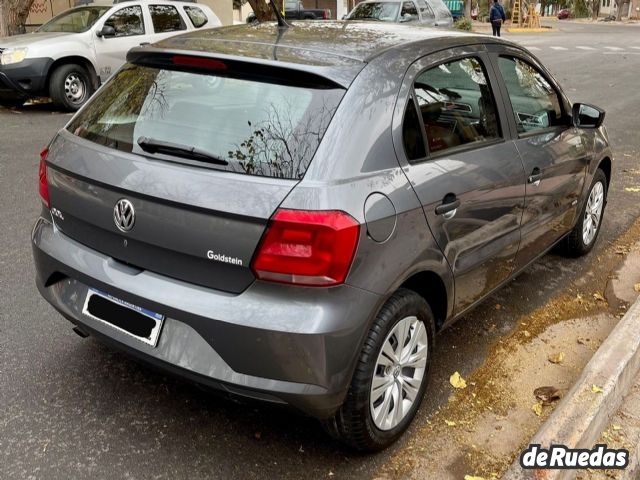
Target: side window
456,105
425,10
535,103
412,133
197,16
409,12
166,18
127,21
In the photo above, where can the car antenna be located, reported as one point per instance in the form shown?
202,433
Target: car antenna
281,21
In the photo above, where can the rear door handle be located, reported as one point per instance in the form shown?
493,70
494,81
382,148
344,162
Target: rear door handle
535,177
448,206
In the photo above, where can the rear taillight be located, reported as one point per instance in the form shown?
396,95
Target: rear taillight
313,248
326,14
42,174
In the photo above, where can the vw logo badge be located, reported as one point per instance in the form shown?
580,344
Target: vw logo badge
124,215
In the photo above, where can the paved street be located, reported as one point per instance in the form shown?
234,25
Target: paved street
72,408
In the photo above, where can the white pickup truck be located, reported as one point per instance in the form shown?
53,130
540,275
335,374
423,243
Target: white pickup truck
70,56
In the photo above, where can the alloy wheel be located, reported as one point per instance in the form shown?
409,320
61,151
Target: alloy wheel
593,213
399,373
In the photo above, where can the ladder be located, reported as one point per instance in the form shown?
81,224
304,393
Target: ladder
516,14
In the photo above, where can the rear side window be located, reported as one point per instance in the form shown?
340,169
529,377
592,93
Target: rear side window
456,105
255,126
535,103
127,21
166,18
197,16
412,133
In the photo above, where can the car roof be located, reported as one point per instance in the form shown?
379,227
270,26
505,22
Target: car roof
340,46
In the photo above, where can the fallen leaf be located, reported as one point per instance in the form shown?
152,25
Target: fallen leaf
599,297
616,427
257,435
636,287
457,381
556,357
537,408
450,423
596,389
498,306
632,189
526,333
471,477
546,395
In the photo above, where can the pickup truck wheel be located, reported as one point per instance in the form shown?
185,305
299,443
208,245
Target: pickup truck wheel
583,236
390,377
70,86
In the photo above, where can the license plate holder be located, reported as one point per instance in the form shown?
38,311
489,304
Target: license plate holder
142,324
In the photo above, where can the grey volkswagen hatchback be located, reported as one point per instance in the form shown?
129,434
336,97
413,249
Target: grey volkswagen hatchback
293,214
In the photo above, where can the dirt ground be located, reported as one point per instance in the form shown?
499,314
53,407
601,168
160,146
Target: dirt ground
485,425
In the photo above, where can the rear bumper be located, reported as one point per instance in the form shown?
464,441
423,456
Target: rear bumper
283,344
28,77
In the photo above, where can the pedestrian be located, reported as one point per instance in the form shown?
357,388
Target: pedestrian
496,17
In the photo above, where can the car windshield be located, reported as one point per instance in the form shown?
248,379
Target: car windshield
253,125
77,20
384,11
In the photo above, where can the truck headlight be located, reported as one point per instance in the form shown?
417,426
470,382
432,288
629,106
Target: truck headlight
13,55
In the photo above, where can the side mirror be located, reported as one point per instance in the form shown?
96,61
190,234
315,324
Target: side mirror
107,31
586,116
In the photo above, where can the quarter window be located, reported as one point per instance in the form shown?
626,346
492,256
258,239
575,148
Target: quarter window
197,16
166,18
456,105
425,10
535,103
412,133
127,21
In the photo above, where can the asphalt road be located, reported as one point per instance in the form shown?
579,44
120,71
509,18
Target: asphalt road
72,408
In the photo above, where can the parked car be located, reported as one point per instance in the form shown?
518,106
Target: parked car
427,12
72,54
295,224
456,7
564,14
294,10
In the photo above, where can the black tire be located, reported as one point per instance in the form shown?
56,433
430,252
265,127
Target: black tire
353,424
574,244
63,85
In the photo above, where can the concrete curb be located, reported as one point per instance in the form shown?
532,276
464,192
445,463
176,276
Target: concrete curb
581,416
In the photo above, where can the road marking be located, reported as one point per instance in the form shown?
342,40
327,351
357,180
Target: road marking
617,49
537,48
559,48
585,48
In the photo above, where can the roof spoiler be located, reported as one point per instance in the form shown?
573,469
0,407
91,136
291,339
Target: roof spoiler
226,65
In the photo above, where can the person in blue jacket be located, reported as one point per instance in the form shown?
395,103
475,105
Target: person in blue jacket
496,17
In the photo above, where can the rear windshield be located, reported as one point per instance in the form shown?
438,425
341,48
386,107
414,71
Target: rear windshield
254,126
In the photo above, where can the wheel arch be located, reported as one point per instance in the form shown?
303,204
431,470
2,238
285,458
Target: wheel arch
605,166
77,60
431,286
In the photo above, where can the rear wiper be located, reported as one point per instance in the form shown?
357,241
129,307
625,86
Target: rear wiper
152,145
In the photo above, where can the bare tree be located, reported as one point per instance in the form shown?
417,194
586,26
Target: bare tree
13,15
263,10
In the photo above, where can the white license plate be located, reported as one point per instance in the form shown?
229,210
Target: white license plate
137,322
